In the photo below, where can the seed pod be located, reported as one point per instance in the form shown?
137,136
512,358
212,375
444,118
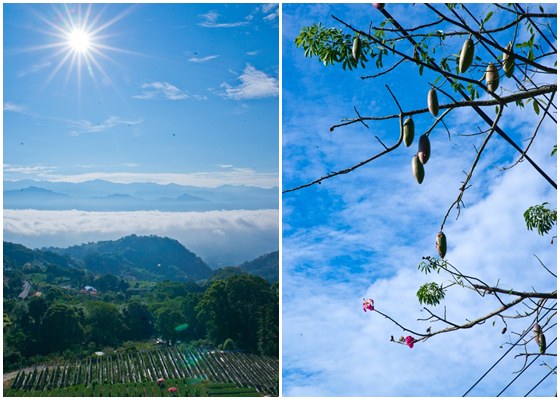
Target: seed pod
415,55
424,149
379,6
492,77
441,244
504,330
356,48
408,132
417,169
467,54
508,61
541,341
537,329
433,104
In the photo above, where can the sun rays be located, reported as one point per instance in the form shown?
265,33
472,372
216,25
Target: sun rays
78,40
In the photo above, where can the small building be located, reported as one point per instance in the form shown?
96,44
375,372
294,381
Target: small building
89,289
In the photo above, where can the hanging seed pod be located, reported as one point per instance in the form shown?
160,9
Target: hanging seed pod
441,244
417,169
433,104
415,55
537,329
466,56
356,48
542,343
508,61
424,149
379,6
408,132
492,77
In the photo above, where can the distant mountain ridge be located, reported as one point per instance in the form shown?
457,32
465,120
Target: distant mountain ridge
266,266
99,195
140,257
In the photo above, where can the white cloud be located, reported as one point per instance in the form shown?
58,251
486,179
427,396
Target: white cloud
28,169
156,90
270,11
203,59
210,20
223,236
252,53
352,355
254,84
13,107
84,126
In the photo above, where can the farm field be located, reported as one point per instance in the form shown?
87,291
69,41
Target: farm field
192,371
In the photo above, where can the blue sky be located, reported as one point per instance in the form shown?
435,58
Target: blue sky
164,93
183,93
363,234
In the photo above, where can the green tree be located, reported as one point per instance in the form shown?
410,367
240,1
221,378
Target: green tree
214,312
138,321
104,324
268,332
233,309
167,320
61,328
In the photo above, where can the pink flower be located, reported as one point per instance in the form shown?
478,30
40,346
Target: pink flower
368,305
409,341
172,390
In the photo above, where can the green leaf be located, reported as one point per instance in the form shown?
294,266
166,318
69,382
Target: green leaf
536,107
553,150
488,16
541,8
540,217
531,55
431,294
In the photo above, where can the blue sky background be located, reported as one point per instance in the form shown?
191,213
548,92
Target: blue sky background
170,90
363,234
166,93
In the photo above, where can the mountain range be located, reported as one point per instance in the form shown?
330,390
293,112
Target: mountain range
99,195
135,257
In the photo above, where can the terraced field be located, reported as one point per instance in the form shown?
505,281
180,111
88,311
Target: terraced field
192,371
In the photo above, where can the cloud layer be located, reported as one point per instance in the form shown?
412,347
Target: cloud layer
219,237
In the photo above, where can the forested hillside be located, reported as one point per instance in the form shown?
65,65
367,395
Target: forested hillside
55,306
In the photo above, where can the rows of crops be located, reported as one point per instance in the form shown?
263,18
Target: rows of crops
177,362
183,388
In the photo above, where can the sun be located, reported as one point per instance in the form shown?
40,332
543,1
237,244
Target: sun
79,40
77,36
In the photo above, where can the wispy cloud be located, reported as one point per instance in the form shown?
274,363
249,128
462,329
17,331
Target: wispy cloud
210,20
228,175
165,90
28,169
13,107
84,126
34,69
270,11
203,59
243,235
252,53
254,84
